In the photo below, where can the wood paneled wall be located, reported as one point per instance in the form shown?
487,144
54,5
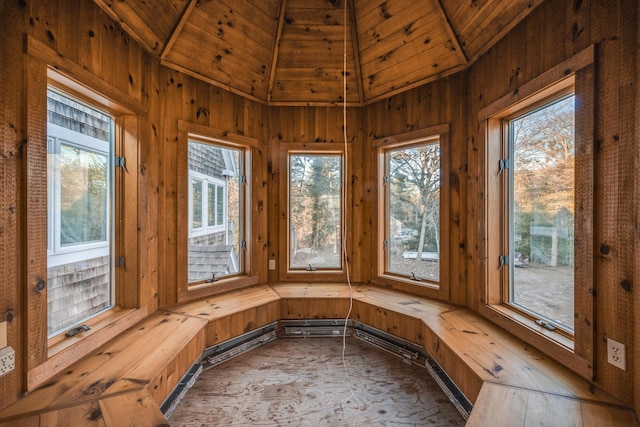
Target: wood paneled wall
81,32
441,102
552,33
317,127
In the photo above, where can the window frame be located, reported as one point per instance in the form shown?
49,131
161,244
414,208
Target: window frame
577,72
565,88
57,254
381,145
187,291
206,182
45,357
285,273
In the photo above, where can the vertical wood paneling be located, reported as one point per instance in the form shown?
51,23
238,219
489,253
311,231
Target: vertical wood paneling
550,34
12,145
321,126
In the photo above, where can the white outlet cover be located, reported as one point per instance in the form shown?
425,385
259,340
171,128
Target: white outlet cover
616,354
7,360
272,264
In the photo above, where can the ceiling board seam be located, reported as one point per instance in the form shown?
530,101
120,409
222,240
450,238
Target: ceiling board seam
178,29
505,29
355,46
276,49
127,28
450,30
415,84
200,76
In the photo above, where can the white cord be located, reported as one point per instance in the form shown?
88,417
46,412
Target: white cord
344,212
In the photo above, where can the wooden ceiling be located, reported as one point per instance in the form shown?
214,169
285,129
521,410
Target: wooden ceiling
291,52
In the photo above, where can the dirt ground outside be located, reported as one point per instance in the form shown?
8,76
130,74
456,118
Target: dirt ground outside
545,290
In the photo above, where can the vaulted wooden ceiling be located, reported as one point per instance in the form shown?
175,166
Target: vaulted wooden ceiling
291,52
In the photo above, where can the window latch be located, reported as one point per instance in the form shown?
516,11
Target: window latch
121,163
504,260
385,244
310,268
416,278
213,278
548,326
385,179
503,164
76,331
120,262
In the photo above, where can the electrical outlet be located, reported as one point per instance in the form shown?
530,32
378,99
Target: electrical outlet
272,264
616,354
7,360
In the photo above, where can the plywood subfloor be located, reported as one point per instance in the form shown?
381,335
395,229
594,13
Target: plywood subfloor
301,382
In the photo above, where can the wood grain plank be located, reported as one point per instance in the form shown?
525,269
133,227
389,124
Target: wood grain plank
131,409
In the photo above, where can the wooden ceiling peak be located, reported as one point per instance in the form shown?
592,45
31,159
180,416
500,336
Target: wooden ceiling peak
291,52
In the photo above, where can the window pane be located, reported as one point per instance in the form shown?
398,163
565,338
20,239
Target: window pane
83,196
80,211
215,249
211,198
413,217
219,205
315,211
196,203
542,240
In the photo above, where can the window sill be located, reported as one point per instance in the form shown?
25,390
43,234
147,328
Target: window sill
203,289
425,289
556,337
63,351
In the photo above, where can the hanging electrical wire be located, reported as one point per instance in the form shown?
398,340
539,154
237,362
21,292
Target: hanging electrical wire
345,192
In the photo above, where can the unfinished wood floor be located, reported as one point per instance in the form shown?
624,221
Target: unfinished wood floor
301,382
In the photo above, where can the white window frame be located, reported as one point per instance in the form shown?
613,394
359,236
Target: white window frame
56,253
205,181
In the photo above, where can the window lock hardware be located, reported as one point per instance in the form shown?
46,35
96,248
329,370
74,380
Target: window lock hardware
77,330
548,326
121,262
385,244
243,244
310,268
385,179
503,164
416,278
213,278
504,260
121,163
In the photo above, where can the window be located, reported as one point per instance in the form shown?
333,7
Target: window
536,233
412,210
79,211
540,192
215,225
315,211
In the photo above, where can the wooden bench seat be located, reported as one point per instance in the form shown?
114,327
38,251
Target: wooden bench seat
233,313
128,378
144,362
479,356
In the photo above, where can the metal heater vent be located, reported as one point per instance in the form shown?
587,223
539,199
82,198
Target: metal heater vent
313,328
405,353
222,352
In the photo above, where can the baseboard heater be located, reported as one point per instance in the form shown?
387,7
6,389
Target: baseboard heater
188,380
416,354
314,328
229,349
